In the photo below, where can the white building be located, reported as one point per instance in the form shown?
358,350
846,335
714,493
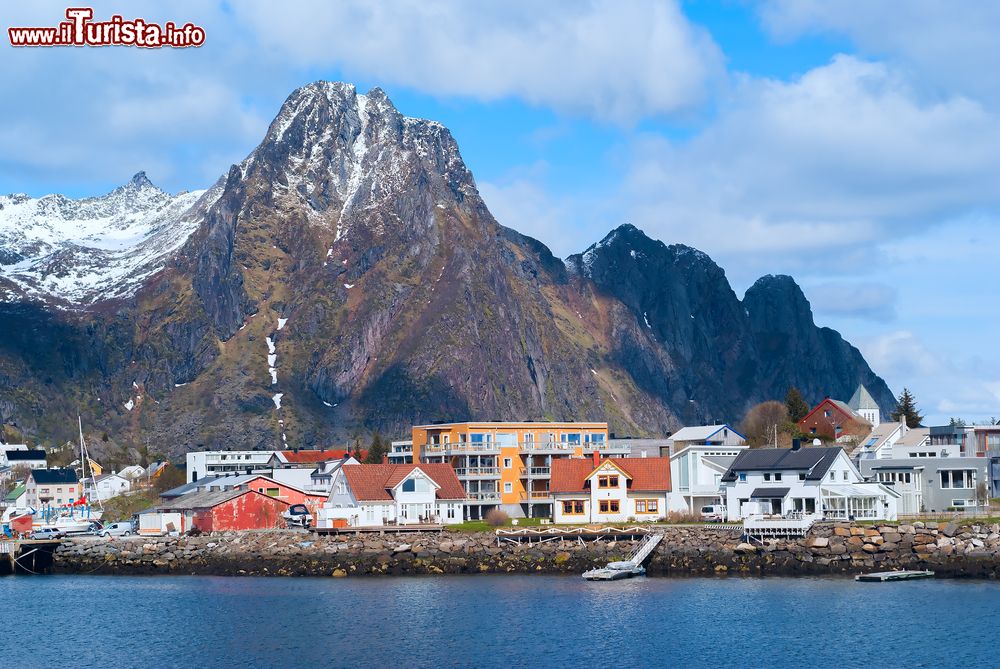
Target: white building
699,456
106,486
379,495
132,472
820,483
32,458
612,490
218,463
863,404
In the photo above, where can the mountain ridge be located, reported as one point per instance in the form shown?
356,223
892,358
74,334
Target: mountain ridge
347,276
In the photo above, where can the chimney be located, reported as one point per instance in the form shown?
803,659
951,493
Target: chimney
597,459
796,444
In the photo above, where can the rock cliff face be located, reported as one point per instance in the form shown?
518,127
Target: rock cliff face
347,276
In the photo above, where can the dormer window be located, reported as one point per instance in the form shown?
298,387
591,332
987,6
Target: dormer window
610,481
409,485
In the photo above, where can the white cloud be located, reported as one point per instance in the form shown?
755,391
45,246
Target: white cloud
854,299
819,168
947,46
617,61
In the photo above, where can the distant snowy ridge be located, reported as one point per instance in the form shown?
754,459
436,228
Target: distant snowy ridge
77,252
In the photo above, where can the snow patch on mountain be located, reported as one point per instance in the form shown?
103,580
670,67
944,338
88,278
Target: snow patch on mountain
77,252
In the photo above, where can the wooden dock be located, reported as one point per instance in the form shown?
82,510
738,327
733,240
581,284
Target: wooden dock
27,556
886,576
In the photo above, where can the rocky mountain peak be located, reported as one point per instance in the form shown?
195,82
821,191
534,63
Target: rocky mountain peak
776,301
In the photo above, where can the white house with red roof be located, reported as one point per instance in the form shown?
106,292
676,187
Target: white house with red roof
386,495
610,490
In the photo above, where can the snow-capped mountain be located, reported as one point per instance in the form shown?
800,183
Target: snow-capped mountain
73,253
347,276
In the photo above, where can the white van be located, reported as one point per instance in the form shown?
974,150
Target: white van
715,513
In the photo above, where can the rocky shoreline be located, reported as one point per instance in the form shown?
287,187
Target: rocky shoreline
950,550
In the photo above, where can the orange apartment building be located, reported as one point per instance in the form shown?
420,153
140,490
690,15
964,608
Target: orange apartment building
509,465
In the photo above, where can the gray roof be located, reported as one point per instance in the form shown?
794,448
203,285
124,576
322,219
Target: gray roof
186,488
862,399
200,500
913,436
815,461
769,493
227,481
699,432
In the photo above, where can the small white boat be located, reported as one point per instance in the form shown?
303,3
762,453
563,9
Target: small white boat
614,572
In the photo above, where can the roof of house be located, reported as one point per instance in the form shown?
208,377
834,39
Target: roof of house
375,482
185,488
570,474
32,455
768,493
878,436
207,499
914,436
862,399
815,460
64,475
15,493
840,405
314,456
701,432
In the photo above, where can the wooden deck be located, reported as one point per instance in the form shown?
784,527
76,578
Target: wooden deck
379,529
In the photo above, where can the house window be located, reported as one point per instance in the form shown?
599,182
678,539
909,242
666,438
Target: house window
409,485
812,430
450,513
743,476
341,488
826,414
646,506
573,507
607,481
777,476
571,439
609,506
767,476
272,492
508,487
833,476
802,476
845,474
507,463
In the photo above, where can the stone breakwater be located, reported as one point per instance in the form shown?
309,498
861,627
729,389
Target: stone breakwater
949,549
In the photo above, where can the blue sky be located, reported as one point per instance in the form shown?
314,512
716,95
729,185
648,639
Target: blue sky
854,145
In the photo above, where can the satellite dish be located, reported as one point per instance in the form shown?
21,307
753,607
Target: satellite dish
817,442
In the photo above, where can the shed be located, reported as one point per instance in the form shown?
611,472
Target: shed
214,511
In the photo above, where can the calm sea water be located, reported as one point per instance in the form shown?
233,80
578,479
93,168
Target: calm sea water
494,621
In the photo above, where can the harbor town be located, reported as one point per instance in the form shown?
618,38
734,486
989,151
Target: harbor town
850,493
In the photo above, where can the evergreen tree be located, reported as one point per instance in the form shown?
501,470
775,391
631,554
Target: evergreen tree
906,410
797,407
377,450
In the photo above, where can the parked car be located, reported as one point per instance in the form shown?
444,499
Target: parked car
121,529
297,515
47,533
713,514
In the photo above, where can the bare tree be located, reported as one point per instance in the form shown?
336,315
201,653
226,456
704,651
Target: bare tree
765,423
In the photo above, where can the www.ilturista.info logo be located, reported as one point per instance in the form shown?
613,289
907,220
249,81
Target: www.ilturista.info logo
80,30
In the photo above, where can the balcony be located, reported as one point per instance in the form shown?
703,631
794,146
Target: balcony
536,473
460,447
477,472
566,447
483,497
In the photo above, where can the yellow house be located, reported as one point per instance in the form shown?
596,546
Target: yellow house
95,468
507,464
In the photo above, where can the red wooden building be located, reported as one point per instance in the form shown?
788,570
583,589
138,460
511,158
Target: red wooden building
833,419
215,511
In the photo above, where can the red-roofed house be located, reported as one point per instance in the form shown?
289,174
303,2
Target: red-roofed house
613,490
375,495
835,420
308,458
